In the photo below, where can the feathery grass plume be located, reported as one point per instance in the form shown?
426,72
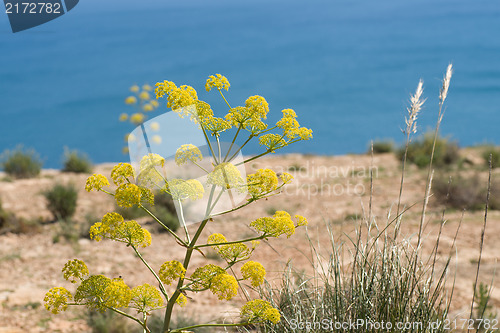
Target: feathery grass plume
411,127
446,83
414,109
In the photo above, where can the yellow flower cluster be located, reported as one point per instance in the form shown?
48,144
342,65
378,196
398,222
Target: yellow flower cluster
151,161
225,175
215,278
171,271
137,118
177,97
97,292
229,252
272,141
249,117
291,128
117,294
56,299
215,125
96,182
146,298
113,227
131,233
204,110
259,310
107,227
181,189
181,300
130,100
128,195
262,182
143,103
258,106
224,286
92,291
149,176
286,177
217,81
280,224
186,153
121,173
144,95
75,270
254,271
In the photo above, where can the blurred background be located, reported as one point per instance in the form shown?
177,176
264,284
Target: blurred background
346,67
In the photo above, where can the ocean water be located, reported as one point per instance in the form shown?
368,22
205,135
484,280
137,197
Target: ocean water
346,67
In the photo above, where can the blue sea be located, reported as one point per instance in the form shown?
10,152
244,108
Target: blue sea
346,67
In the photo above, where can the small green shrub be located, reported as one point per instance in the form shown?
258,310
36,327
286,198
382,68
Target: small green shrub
446,153
163,209
381,147
75,161
130,213
21,162
484,309
167,217
107,322
465,192
61,200
495,156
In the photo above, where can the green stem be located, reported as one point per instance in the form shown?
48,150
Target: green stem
209,144
268,151
199,166
183,221
216,200
162,287
233,242
232,143
218,146
164,226
225,100
131,317
187,259
239,149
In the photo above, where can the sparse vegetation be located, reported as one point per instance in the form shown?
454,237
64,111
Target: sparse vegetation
381,147
75,161
21,162
465,192
419,151
61,201
107,322
495,156
484,310
381,283
163,209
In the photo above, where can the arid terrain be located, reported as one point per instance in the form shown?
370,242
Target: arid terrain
333,191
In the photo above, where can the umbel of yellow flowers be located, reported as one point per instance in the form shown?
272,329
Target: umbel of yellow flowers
173,282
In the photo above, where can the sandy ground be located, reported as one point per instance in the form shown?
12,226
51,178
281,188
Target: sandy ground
326,190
